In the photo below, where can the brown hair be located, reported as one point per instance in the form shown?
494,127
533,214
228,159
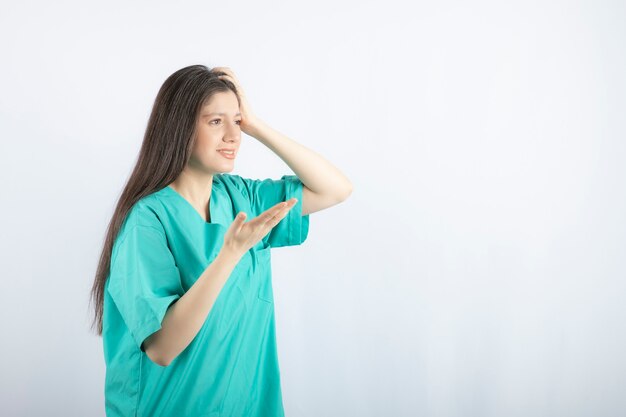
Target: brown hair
165,151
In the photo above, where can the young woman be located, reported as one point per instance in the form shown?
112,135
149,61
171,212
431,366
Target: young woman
183,290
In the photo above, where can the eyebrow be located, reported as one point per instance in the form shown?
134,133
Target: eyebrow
219,114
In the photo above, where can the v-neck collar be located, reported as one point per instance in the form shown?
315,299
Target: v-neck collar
213,205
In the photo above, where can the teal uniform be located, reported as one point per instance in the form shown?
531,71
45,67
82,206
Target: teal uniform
231,366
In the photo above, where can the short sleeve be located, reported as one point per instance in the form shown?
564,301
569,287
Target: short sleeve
144,280
263,194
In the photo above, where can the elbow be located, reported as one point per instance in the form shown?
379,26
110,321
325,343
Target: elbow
346,193
154,355
163,364
158,359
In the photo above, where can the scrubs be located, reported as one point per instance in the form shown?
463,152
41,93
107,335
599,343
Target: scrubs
231,366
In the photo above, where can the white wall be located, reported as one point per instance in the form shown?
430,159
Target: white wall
477,269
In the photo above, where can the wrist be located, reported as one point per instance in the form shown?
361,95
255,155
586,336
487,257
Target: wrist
229,255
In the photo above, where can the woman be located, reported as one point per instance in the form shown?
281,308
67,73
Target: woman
183,290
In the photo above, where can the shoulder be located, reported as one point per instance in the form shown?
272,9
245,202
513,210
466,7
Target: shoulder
145,213
142,227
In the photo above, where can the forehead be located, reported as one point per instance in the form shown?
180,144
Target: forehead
222,104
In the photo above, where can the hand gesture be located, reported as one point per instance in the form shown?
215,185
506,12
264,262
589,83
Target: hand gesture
240,236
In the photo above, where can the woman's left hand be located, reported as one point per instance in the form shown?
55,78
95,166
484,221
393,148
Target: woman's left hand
248,119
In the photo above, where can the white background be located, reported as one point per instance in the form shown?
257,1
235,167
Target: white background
478,267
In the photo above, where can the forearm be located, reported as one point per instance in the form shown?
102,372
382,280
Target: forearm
314,171
184,319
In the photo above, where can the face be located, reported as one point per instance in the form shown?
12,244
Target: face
217,128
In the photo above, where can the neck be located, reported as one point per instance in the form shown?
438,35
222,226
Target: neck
194,188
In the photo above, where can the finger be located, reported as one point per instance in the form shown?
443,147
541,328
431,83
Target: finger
284,210
221,71
291,203
261,220
239,221
273,222
267,215
282,213
229,78
271,212
225,70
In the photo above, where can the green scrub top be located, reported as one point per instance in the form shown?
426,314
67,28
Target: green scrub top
231,366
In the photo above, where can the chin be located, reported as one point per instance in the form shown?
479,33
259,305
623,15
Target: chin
226,170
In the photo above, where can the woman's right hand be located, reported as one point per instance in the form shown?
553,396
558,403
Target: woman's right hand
241,235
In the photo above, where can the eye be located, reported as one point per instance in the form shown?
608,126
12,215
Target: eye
219,120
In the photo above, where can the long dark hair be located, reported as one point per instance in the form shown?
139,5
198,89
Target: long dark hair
165,151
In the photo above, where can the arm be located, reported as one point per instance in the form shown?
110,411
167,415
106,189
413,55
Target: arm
324,184
185,317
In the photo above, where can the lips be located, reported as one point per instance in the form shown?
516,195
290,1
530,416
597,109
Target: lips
227,153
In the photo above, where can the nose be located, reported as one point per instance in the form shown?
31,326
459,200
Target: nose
233,135
232,138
